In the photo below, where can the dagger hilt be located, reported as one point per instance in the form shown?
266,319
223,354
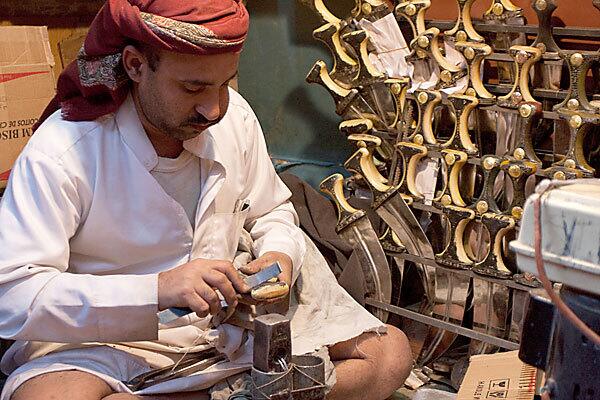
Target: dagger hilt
519,172
391,242
428,41
367,72
501,10
360,131
579,63
493,264
356,126
364,8
579,125
361,163
398,87
413,153
487,199
524,58
544,10
427,101
342,97
344,66
463,106
475,54
529,113
455,161
414,12
322,10
333,186
454,254
464,29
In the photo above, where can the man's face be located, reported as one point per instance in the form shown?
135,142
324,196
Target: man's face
186,93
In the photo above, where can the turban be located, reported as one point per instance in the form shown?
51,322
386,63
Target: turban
96,84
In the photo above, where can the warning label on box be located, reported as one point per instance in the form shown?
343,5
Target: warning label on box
498,376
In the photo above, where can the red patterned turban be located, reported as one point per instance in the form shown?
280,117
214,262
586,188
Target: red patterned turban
96,84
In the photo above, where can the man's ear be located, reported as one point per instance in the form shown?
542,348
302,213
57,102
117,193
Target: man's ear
134,62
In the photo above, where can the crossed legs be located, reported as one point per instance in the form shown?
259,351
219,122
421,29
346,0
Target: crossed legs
368,367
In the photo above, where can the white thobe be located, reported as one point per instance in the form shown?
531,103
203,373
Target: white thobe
85,230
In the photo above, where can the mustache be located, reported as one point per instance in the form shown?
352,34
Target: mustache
201,120
197,120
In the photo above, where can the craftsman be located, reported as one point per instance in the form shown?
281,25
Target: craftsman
131,199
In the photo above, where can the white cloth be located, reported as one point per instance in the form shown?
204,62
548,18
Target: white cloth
180,179
86,229
391,49
322,313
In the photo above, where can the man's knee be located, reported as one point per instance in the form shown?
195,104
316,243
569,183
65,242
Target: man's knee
398,358
72,385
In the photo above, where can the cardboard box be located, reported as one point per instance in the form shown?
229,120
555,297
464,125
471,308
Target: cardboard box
26,87
499,376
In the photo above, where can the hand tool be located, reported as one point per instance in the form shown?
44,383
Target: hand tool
188,365
252,281
272,342
272,371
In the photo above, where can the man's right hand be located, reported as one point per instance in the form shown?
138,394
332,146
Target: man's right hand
193,285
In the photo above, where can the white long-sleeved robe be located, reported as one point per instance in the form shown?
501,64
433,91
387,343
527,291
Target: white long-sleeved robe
85,229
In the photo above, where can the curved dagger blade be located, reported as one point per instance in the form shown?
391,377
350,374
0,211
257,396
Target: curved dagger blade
389,205
354,226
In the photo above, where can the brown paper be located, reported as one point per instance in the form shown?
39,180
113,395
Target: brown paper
26,87
498,376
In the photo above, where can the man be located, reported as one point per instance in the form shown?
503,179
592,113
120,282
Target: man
132,198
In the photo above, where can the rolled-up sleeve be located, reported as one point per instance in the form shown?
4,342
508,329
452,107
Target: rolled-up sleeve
40,298
272,220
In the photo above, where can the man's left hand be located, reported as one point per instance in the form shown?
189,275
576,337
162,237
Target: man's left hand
267,259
